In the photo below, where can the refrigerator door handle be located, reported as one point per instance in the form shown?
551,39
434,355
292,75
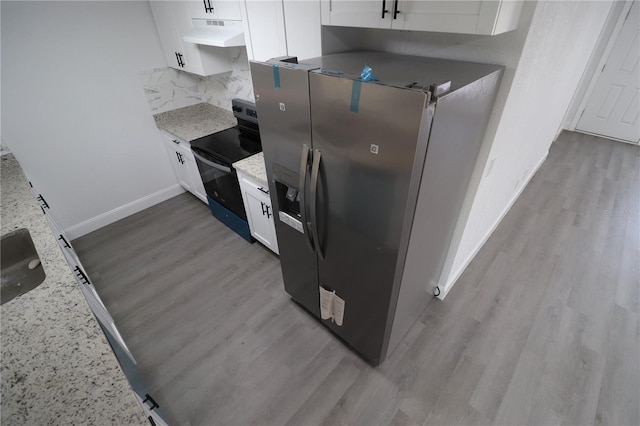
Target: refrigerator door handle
304,161
315,169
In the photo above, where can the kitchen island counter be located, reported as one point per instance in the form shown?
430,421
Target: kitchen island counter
57,366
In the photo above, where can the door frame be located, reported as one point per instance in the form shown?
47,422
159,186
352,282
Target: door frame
595,72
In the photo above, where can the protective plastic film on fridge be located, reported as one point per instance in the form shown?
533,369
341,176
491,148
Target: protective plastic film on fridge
367,180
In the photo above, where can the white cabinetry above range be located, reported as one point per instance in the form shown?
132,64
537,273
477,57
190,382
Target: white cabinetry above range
282,27
173,21
467,17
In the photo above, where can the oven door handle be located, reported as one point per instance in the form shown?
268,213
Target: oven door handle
211,163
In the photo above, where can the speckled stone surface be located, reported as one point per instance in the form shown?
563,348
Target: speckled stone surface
254,167
195,121
57,366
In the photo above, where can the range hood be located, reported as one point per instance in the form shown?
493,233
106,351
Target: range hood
218,33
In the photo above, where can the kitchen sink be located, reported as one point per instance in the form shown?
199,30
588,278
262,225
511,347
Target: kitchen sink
20,266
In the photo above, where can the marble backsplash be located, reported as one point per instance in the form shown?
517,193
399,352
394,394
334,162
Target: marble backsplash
167,88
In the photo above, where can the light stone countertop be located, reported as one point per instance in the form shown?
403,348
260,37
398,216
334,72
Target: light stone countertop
195,121
254,167
57,366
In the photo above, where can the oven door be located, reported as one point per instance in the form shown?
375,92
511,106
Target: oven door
220,181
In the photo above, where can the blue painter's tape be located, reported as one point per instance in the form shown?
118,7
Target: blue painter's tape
276,76
355,95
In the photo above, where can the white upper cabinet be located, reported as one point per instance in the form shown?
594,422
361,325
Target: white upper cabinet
466,17
264,29
173,21
282,27
210,9
303,28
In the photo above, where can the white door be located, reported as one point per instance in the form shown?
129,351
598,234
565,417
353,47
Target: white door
613,106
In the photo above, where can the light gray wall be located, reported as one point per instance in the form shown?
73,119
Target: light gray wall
74,112
559,44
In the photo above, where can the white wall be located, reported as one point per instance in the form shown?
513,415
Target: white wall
561,39
74,112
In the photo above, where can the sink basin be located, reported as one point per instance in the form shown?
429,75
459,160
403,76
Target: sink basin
20,267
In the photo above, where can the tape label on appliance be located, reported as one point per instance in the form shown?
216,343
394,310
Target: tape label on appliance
276,76
356,88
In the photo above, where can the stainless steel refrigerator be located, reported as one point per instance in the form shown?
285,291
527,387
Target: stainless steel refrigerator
367,180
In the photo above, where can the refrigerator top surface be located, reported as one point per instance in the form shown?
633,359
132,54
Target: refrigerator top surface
402,70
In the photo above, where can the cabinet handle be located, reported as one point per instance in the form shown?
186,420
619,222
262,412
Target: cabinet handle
268,212
181,61
263,210
44,202
207,6
264,190
384,8
395,9
177,142
177,58
66,244
153,404
82,276
180,159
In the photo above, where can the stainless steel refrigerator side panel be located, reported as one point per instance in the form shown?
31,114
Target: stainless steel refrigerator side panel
457,132
366,173
282,103
419,293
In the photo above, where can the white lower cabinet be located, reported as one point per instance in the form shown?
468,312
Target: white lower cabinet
184,165
257,205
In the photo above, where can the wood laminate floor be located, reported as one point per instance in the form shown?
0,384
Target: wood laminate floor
541,329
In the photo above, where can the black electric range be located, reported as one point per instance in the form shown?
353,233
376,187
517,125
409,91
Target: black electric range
215,155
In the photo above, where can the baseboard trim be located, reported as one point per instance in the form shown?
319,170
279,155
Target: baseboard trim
453,278
123,211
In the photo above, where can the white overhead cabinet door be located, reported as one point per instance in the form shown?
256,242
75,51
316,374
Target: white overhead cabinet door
452,16
613,106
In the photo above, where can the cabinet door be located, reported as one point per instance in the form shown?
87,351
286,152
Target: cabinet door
179,166
191,57
303,28
265,27
261,220
441,16
257,205
163,16
356,13
210,9
197,186
466,17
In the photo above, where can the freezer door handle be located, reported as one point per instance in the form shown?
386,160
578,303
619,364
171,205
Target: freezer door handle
315,169
304,162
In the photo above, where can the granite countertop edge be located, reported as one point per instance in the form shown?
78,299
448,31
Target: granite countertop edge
56,361
254,167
